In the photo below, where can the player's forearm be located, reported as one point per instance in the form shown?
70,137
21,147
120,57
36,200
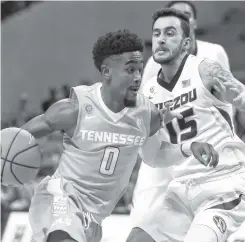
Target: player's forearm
215,75
162,158
159,155
38,127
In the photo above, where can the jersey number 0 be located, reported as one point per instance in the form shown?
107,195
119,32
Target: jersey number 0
109,161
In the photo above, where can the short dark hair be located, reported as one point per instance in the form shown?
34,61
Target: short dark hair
185,25
115,43
194,10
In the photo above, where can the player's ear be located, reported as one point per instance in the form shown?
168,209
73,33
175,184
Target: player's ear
187,43
106,72
194,22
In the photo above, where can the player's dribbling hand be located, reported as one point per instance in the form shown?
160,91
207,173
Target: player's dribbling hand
167,115
205,154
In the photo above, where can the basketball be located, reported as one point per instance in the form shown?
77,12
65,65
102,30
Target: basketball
20,157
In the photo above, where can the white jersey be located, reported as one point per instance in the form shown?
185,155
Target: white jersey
205,118
204,50
101,155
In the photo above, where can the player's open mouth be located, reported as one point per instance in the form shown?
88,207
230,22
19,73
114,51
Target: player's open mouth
134,89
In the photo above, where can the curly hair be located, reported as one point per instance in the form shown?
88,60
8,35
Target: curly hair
115,43
165,12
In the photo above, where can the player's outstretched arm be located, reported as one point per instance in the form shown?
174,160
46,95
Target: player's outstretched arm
157,155
215,76
161,117
62,116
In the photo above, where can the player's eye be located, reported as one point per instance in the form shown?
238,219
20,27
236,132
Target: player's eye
170,33
187,14
130,70
156,33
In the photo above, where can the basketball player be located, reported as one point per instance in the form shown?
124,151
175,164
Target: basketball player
204,197
199,48
105,125
143,189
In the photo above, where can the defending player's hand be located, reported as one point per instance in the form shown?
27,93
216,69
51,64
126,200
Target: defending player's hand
205,154
167,115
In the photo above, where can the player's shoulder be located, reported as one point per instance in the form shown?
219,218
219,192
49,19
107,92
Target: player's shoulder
82,91
85,88
142,100
150,61
149,85
210,46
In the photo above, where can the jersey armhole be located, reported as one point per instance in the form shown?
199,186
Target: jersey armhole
73,96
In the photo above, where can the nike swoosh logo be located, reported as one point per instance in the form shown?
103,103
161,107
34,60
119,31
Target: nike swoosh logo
150,97
89,117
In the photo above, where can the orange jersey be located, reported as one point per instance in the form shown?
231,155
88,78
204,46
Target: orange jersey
100,156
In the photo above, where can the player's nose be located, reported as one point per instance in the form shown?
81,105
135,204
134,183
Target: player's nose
161,40
137,79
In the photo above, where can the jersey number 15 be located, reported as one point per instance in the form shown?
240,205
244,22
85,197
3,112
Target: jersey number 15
183,125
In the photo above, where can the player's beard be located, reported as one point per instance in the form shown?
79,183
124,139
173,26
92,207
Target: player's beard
174,54
130,100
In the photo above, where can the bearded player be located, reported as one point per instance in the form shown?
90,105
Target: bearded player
197,47
208,199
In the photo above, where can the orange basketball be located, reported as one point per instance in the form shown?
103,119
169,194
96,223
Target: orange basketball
20,157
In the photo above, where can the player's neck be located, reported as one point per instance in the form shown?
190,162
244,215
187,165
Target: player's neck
111,99
193,49
170,69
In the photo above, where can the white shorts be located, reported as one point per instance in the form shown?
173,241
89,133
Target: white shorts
215,202
151,184
55,207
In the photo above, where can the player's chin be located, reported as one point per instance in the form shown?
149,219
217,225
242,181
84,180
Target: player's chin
161,59
130,101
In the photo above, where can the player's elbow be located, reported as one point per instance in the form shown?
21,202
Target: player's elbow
38,126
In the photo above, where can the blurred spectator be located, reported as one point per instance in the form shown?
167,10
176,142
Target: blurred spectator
11,7
23,113
8,194
65,91
51,99
86,82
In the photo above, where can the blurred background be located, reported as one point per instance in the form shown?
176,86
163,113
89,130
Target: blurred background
47,48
